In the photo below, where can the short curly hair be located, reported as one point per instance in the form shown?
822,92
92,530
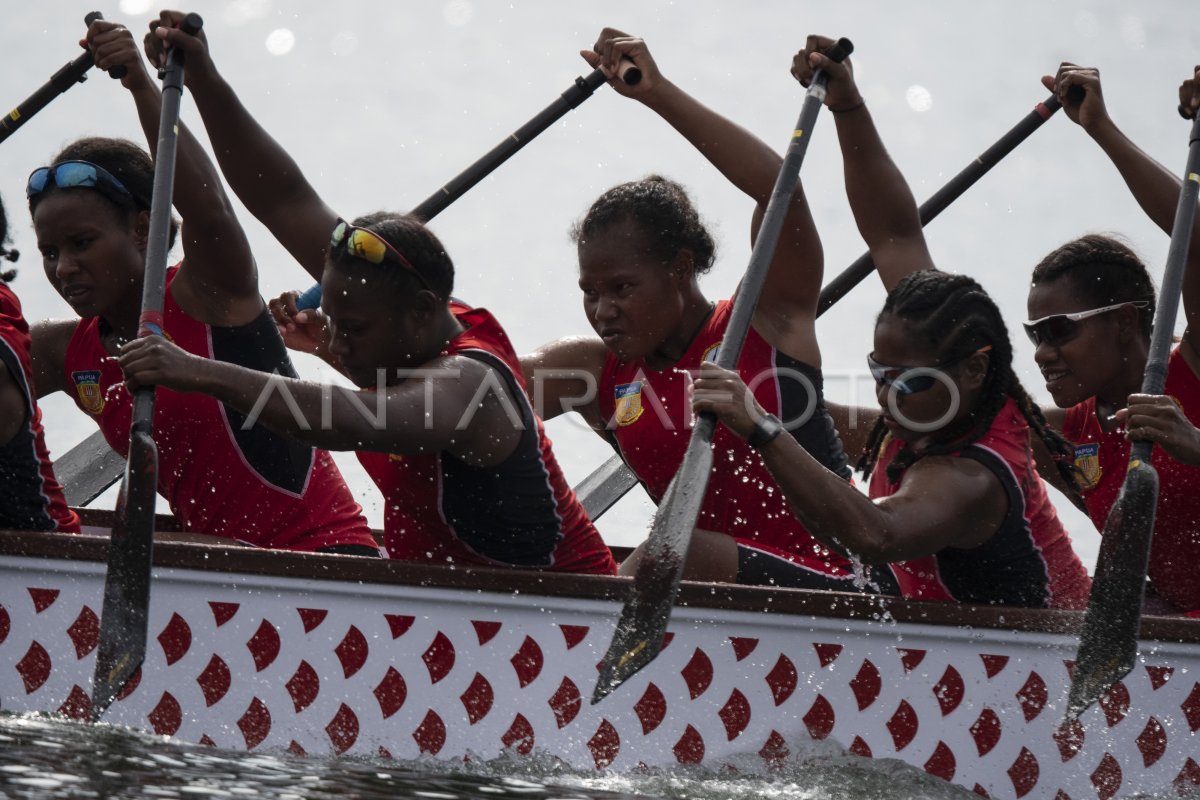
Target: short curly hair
419,245
662,209
1102,269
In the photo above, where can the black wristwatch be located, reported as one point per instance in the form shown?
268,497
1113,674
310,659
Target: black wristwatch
765,431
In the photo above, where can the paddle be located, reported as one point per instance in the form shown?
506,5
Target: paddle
608,483
581,90
87,469
1108,638
125,614
73,73
643,623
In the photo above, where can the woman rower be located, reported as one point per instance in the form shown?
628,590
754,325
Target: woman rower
30,497
956,507
442,424
641,250
90,210
1091,309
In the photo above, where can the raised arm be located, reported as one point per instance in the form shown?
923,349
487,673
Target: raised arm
219,282
786,312
880,199
262,174
1155,187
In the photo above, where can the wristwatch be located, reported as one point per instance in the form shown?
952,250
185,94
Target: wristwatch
765,431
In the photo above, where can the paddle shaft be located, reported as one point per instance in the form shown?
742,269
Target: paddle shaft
125,616
643,623
581,90
613,479
1108,637
71,74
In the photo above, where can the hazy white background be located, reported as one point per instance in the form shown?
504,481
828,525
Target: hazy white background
382,102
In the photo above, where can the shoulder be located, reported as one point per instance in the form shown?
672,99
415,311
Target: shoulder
48,352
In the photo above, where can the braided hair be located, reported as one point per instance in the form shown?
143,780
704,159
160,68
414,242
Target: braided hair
1102,269
662,209
953,315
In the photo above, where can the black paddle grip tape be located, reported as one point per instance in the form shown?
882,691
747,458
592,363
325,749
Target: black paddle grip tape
118,71
839,51
1075,95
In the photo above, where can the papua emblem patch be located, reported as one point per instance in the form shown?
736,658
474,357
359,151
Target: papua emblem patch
628,400
87,384
1087,461
710,353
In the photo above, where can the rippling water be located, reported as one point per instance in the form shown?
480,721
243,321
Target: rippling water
41,757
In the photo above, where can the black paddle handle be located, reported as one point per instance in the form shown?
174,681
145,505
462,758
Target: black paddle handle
777,209
123,620
71,74
1172,286
117,72
581,90
850,277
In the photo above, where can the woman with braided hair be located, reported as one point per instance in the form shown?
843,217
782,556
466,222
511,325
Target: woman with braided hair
956,507
1091,307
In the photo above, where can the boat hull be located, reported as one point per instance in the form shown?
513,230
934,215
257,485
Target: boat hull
252,650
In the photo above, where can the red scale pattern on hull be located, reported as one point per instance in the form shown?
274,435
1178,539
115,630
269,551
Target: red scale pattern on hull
690,747
264,646
303,686
698,673
311,618
34,667
1024,773
223,612
782,679
430,735
343,729
903,726
485,630
477,699
1032,696
84,632
866,685
42,598
175,639
1115,703
167,716
255,724
941,764
735,714
820,719
651,708
391,692
77,705
214,681
352,651
573,634
985,730
519,736
949,690
527,662
605,744
1152,742
439,657
565,702
1107,777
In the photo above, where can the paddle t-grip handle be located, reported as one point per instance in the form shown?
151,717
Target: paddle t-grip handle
839,51
629,73
119,70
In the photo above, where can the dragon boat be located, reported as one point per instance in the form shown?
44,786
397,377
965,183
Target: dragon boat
321,654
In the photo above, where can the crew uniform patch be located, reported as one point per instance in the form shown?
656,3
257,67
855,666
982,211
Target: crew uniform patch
87,385
1087,461
627,398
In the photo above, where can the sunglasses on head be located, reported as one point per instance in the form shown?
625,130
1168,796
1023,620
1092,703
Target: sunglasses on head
370,247
1059,329
912,380
85,175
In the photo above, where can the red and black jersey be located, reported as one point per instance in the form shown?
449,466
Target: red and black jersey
518,513
30,497
1103,456
1028,562
220,477
649,415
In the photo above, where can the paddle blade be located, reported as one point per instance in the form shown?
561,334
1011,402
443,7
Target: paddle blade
643,623
124,617
1108,639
